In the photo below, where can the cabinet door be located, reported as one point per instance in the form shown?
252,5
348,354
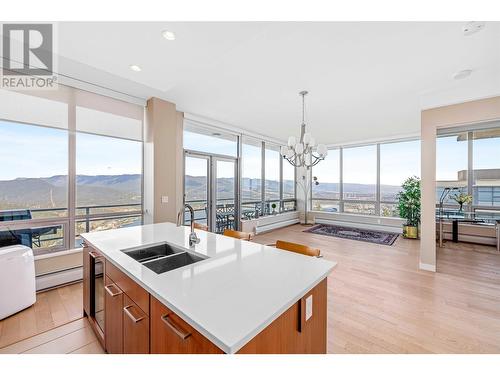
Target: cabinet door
86,279
113,315
135,328
172,335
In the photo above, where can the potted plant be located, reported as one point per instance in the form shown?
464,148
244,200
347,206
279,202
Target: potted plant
273,206
462,199
409,206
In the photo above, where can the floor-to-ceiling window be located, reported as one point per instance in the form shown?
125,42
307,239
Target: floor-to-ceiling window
288,186
326,183
398,161
33,185
272,179
67,168
467,163
210,167
486,169
451,165
264,183
364,179
359,171
108,182
251,177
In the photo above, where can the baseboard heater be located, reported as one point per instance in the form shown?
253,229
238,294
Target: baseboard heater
276,225
53,279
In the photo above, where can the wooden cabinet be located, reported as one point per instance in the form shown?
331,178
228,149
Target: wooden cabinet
135,328
128,286
172,335
291,332
126,314
135,322
113,308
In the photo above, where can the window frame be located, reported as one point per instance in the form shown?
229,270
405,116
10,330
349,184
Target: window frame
253,140
68,222
378,202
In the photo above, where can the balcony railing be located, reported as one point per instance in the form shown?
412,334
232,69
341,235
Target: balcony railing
225,212
47,229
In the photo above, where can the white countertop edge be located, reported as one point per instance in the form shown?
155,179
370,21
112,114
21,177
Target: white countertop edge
224,347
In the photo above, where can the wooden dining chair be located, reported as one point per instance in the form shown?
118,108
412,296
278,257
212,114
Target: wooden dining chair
298,248
201,226
237,234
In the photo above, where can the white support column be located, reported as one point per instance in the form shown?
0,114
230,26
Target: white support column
428,200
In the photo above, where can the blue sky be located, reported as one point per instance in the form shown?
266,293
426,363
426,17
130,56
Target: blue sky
33,151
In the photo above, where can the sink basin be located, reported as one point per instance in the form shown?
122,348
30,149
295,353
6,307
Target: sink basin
172,262
153,252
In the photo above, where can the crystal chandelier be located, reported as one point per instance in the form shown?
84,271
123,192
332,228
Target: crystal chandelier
304,153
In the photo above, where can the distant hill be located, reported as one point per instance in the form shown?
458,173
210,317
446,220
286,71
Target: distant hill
51,192
324,190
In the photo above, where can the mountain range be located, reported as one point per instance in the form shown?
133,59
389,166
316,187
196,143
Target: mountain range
51,192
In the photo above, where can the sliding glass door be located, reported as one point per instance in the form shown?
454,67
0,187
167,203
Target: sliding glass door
224,207
197,187
210,187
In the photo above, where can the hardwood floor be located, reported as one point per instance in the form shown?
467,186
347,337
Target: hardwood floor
378,301
76,337
52,309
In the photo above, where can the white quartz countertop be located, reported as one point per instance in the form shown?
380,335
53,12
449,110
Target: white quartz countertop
229,297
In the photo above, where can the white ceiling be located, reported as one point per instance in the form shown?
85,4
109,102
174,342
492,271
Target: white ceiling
366,80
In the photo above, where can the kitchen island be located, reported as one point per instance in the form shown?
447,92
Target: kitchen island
238,297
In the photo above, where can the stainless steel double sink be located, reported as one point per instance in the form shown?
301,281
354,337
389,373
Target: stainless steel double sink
163,257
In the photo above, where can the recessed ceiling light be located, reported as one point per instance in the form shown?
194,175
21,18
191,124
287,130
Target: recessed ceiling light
462,74
135,68
168,35
473,27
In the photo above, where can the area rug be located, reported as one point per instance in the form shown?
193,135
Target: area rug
366,235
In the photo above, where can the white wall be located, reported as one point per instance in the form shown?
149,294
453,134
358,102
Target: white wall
472,112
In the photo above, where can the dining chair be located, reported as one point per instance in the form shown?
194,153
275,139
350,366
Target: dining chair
298,248
237,234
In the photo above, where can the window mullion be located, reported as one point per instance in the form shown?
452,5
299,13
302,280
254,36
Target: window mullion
70,235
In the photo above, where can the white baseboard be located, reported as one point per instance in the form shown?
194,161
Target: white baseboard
58,278
427,267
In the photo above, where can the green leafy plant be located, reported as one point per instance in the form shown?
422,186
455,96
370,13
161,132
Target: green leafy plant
409,201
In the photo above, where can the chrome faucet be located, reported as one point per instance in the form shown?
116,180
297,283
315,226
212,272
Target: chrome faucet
193,238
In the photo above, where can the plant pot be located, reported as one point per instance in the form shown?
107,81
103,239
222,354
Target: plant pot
409,231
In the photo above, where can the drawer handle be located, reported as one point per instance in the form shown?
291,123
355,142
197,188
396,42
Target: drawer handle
130,315
179,332
110,292
95,255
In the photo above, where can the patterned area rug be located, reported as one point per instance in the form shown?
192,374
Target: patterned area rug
373,236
